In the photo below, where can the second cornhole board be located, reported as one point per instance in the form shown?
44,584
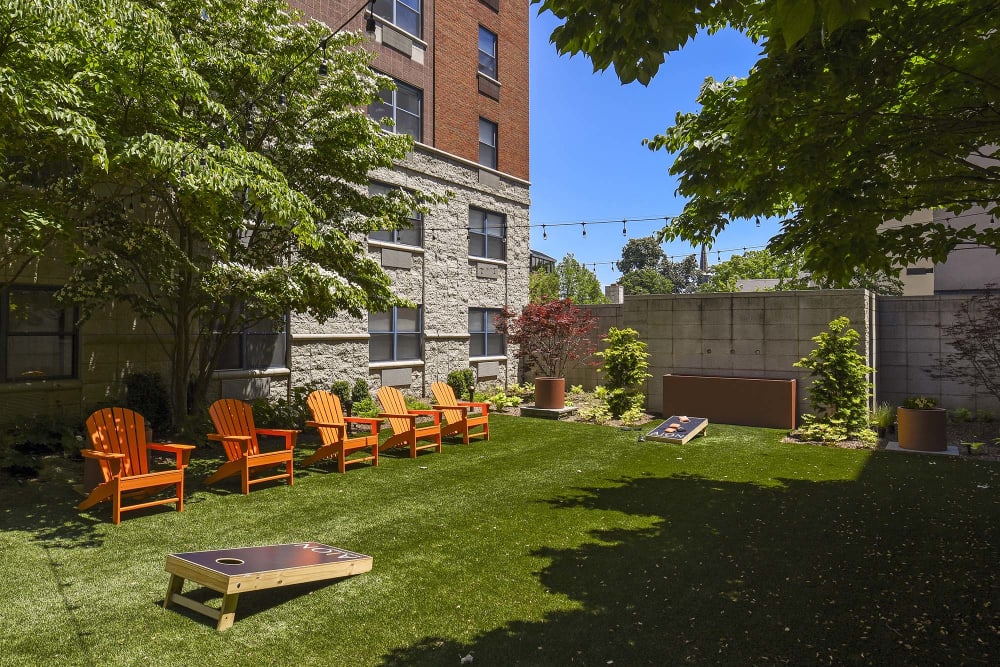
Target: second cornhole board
235,571
682,433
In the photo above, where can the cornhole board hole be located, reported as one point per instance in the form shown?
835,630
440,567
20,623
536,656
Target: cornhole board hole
235,571
678,429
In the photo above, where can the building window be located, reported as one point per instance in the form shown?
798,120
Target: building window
487,143
484,339
487,53
404,106
256,347
395,335
38,335
413,235
487,234
404,14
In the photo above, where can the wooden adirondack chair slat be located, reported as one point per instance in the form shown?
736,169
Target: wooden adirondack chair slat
405,431
233,421
328,418
460,420
118,436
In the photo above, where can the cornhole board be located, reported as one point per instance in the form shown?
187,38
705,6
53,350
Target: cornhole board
235,571
682,433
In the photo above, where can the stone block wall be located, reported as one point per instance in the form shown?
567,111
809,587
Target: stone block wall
912,347
759,334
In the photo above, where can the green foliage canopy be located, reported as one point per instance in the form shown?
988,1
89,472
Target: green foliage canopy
197,167
646,281
856,113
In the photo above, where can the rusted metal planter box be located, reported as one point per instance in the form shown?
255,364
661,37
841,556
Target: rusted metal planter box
731,400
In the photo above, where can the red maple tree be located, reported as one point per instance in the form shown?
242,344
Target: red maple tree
552,336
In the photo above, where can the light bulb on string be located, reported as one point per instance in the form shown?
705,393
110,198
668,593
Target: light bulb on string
323,69
624,228
248,130
282,102
758,222
142,201
545,234
584,225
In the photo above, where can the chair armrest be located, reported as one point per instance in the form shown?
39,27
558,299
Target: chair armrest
107,456
464,409
242,440
389,415
182,452
429,413
288,434
485,407
373,423
313,424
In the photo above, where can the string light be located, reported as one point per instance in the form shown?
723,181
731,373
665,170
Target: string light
624,228
545,234
584,225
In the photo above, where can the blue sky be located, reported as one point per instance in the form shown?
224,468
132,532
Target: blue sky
587,160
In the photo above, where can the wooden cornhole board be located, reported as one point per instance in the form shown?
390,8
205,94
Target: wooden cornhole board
685,429
235,571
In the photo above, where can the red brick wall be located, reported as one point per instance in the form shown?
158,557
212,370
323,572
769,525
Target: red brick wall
459,104
448,77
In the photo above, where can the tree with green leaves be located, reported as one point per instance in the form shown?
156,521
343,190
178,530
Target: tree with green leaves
856,113
578,283
641,253
840,390
685,274
543,286
755,264
646,281
210,169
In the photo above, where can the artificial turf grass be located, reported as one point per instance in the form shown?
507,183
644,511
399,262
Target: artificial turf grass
551,543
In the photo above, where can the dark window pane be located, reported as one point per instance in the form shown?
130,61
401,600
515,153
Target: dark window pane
36,311
384,8
497,249
477,244
379,322
265,351
380,347
407,319
487,156
407,19
408,346
231,356
408,236
476,348
381,235
407,124
475,320
39,357
408,99
495,345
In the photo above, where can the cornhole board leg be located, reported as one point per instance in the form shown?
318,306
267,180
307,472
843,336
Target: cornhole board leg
223,617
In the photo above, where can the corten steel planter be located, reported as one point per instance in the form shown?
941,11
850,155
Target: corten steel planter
922,430
550,393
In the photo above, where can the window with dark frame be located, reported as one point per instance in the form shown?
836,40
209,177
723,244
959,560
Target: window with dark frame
487,234
38,335
396,335
484,339
413,235
257,347
404,106
487,143
404,14
487,53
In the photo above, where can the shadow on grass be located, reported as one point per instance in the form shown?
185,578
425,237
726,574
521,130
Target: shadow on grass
886,569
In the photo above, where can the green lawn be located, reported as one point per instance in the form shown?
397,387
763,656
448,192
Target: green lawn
551,544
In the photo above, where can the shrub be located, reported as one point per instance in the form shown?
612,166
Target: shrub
147,394
366,407
599,414
883,416
501,400
524,391
576,389
624,368
975,338
461,381
552,336
342,390
920,403
960,415
280,412
840,388
413,403
28,440
985,416
361,391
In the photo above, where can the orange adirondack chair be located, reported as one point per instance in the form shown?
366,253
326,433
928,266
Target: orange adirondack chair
233,419
404,423
118,436
328,418
458,414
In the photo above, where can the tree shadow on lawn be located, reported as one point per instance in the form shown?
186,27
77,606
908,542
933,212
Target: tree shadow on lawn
896,567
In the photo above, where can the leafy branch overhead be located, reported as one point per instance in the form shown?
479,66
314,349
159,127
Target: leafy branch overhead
198,167
855,114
